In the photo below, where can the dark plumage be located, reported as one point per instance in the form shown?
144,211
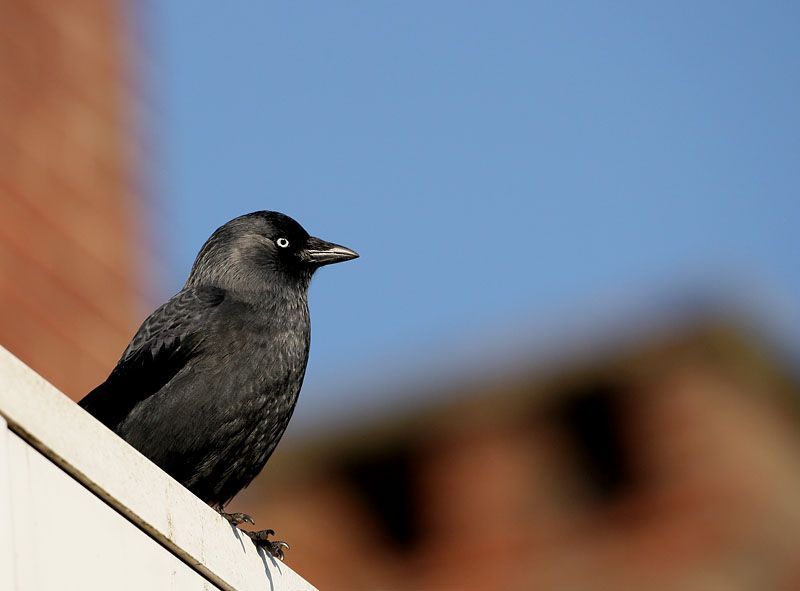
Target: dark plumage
209,382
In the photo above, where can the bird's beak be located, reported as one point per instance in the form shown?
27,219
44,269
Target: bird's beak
319,252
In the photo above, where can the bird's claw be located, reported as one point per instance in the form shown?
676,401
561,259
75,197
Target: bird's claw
274,547
237,518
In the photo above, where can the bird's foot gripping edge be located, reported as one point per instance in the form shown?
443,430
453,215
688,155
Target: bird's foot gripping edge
237,518
260,538
274,547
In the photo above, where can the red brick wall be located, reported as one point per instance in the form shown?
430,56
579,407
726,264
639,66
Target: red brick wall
69,285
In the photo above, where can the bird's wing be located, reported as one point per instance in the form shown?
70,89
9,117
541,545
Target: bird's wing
165,342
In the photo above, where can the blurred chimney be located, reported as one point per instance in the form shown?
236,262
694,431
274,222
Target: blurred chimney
70,293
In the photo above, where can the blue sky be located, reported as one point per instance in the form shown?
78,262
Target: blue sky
496,164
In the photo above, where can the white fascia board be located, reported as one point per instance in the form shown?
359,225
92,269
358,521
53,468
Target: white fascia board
134,486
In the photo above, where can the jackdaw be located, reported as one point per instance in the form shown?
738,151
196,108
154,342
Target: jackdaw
208,384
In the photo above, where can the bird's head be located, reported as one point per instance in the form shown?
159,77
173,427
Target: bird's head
263,249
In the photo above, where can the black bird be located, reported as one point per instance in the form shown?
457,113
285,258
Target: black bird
208,384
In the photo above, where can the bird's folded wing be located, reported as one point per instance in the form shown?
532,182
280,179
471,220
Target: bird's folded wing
163,345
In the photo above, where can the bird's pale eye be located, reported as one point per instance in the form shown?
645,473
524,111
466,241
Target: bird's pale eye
282,242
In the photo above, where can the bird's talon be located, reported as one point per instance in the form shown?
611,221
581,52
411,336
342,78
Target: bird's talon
264,534
274,547
237,518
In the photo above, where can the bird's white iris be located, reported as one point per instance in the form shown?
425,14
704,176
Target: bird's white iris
282,242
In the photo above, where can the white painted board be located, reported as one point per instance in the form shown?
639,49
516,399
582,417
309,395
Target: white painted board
65,538
132,486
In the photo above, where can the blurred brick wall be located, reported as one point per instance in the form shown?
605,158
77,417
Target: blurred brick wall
69,283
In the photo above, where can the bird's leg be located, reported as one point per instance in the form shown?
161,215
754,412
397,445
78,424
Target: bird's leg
236,518
261,540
